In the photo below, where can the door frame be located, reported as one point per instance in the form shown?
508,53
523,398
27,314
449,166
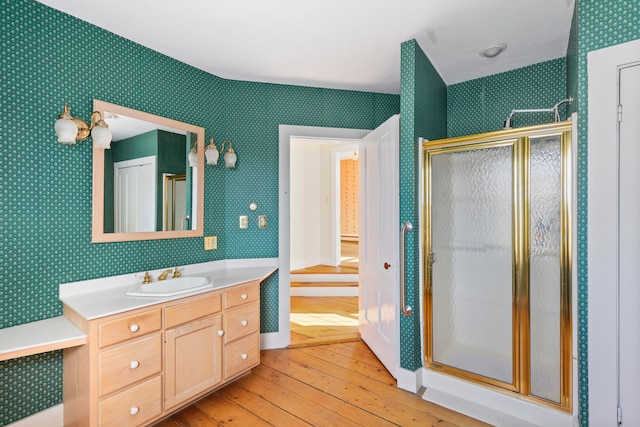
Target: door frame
281,338
602,258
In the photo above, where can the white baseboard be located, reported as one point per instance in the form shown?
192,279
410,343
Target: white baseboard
325,291
51,417
493,407
409,380
272,340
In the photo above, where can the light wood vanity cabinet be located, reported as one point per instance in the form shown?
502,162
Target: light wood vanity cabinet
139,366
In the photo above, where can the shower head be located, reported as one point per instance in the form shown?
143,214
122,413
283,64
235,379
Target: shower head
507,122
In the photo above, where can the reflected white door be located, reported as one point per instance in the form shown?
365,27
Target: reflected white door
135,195
629,247
379,235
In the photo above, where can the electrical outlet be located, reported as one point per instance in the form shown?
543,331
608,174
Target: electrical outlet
210,243
262,221
244,221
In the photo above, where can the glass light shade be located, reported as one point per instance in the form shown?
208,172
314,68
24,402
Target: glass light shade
67,131
230,158
212,155
101,137
193,158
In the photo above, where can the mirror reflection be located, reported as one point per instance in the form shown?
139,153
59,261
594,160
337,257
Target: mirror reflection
144,185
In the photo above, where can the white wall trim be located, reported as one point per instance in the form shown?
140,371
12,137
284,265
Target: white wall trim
409,380
602,66
284,205
51,417
496,408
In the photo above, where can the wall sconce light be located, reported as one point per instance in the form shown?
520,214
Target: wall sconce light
193,157
72,129
212,154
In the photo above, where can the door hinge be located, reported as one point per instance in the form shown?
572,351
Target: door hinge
432,258
619,415
620,112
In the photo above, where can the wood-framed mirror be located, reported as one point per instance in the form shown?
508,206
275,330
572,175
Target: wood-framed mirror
130,199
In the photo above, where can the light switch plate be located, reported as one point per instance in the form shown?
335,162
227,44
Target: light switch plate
262,221
210,243
244,221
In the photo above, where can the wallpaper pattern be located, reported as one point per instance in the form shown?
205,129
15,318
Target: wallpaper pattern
423,113
482,105
46,208
349,197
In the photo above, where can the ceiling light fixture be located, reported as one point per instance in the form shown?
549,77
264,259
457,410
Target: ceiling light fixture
493,50
72,129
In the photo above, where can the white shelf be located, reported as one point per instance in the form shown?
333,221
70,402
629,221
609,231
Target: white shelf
38,337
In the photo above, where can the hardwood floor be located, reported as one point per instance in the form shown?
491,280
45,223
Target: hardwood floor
332,385
323,320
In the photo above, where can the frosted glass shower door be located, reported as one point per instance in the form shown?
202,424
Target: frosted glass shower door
471,261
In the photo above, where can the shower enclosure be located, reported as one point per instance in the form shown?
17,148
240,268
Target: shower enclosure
497,260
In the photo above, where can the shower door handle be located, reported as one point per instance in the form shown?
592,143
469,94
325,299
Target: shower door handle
406,309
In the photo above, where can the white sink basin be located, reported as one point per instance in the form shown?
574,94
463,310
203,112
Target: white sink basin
171,287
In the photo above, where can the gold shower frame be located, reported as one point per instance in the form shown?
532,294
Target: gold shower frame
519,139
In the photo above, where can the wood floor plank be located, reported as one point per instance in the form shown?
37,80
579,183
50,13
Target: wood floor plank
191,416
169,422
315,387
327,353
391,403
345,409
227,412
292,402
266,410
366,357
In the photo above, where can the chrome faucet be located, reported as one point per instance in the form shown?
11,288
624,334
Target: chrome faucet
164,274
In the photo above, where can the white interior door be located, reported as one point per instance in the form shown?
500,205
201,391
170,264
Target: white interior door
379,220
629,247
135,195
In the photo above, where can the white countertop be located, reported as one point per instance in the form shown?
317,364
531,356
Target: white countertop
93,299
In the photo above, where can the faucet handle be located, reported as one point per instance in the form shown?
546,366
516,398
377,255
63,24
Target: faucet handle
147,278
176,273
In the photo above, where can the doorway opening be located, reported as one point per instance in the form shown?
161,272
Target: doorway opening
323,241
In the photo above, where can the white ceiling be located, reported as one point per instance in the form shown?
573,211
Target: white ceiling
342,44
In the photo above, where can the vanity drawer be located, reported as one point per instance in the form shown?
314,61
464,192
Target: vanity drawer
133,406
241,295
118,330
184,312
241,355
241,321
125,364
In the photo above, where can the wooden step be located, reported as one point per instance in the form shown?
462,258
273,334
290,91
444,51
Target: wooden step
327,269
322,284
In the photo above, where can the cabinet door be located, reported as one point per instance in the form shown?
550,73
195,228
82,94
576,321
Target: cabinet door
193,356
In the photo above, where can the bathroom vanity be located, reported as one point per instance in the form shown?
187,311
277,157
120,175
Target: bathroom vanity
148,357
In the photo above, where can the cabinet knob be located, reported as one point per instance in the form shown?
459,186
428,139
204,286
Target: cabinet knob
134,328
244,296
244,356
134,410
244,323
134,364
220,333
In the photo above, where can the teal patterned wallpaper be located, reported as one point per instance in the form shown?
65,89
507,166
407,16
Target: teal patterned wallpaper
483,104
46,61
601,23
423,113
